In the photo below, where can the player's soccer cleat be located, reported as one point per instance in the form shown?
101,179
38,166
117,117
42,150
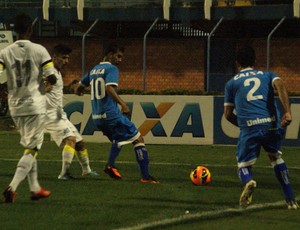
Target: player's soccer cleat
292,205
9,195
151,180
66,176
90,174
112,172
40,194
246,196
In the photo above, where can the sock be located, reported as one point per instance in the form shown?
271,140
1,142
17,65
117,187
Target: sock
114,153
282,175
67,157
32,176
23,167
245,174
83,158
142,159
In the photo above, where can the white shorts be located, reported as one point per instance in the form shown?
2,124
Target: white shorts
31,129
61,128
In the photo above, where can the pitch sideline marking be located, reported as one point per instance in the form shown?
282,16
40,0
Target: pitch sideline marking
152,163
205,215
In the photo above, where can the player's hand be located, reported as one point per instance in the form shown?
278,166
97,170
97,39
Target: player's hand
79,90
286,119
47,86
125,110
51,79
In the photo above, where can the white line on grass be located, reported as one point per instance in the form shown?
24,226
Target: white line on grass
153,163
205,215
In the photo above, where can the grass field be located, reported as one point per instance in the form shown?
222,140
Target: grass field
103,203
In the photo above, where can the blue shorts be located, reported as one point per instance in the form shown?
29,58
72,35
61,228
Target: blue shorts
251,140
121,130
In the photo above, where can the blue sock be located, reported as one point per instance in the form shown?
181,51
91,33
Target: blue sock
114,153
245,174
281,173
141,154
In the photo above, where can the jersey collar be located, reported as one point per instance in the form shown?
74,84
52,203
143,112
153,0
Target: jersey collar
246,69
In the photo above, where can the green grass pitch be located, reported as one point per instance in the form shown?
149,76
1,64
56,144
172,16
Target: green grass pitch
103,203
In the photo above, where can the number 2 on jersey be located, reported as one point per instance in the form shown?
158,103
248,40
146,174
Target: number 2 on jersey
250,94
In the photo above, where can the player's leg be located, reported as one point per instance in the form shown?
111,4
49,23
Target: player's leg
110,168
282,175
272,147
31,131
142,158
81,151
125,133
108,128
247,153
83,158
36,191
62,135
68,153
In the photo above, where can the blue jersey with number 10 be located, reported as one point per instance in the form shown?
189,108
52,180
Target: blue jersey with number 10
103,106
251,92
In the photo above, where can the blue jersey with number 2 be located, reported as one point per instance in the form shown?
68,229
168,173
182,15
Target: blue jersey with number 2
251,92
103,106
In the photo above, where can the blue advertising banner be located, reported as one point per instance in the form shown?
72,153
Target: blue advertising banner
196,120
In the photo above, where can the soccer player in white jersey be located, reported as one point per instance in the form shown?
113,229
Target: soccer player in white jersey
62,131
108,117
251,94
26,62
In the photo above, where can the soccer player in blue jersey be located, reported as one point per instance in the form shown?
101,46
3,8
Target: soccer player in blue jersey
251,94
107,116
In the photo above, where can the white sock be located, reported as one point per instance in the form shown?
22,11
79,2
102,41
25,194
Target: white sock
84,161
23,167
67,157
32,176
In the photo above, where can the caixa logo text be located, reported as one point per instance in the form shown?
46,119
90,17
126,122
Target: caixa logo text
159,120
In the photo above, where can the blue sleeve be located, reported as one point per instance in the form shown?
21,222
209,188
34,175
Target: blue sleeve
85,80
228,97
112,76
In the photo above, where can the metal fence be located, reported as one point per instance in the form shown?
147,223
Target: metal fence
87,3
137,3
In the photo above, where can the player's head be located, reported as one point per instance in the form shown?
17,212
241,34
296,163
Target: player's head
114,53
23,25
61,55
246,57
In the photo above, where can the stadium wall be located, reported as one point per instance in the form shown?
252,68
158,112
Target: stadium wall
181,63
196,120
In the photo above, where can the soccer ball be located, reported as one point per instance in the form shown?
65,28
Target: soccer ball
200,176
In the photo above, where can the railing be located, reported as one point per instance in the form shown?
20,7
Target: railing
122,3
21,3
136,3
87,3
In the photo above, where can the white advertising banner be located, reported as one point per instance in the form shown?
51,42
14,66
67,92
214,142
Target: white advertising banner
6,39
160,119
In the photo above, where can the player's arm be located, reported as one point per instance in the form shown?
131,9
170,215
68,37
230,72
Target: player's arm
82,84
111,91
79,90
229,114
47,67
284,99
49,78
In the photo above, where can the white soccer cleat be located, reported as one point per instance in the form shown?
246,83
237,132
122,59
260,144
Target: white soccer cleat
246,196
292,205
